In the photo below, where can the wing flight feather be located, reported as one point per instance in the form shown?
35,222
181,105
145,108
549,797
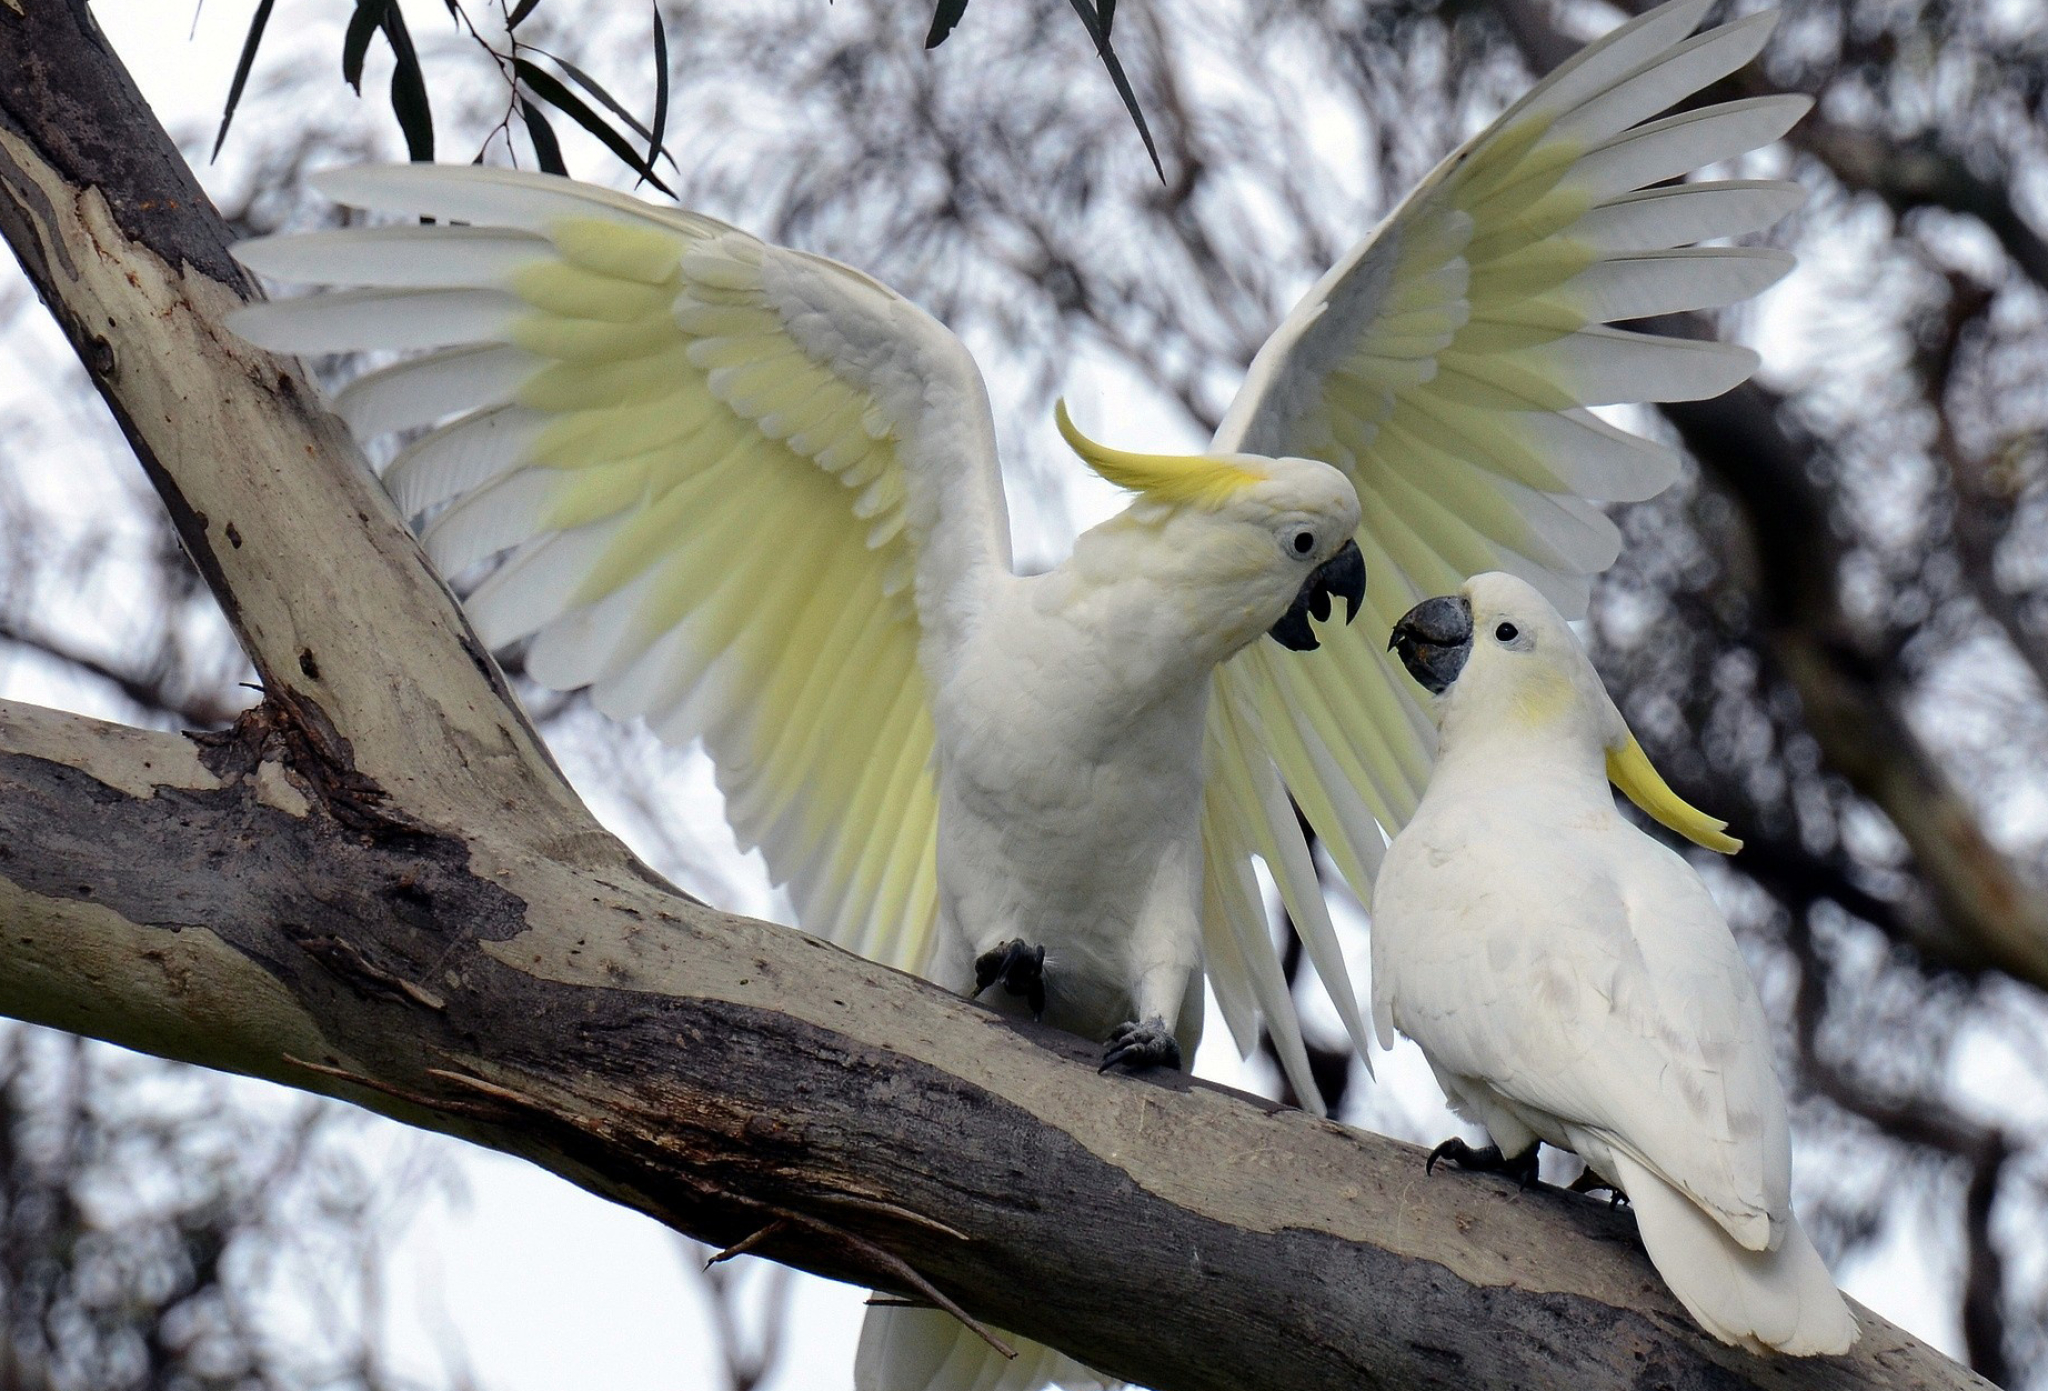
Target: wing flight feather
1447,365
715,469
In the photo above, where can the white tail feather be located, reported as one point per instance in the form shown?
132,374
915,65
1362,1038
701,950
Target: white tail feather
908,1349
1779,1300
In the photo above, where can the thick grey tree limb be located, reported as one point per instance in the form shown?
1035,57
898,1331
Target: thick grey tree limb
377,886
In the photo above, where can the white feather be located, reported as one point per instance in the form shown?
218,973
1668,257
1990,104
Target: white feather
359,320
462,455
1672,76
429,389
396,257
1677,145
1572,981
1656,219
1647,283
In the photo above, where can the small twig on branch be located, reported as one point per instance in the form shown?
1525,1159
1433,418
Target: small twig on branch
902,1270
747,1243
493,1114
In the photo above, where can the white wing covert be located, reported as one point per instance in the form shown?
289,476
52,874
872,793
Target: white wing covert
1446,365
719,468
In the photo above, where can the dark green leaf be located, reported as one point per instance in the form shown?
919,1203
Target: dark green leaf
654,150
547,150
241,80
355,44
1100,34
520,12
549,89
943,19
595,89
409,89
1108,8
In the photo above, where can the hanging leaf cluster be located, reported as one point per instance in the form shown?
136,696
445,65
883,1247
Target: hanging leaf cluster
557,85
536,87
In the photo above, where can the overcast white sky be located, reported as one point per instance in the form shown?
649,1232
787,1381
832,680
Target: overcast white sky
551,1288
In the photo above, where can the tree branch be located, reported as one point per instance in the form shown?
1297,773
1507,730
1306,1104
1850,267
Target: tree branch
377,886
1991,915
722,1074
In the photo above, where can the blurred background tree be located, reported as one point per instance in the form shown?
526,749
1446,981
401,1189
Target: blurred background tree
1834,630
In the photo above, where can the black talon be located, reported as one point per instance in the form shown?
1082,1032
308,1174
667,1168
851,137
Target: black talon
1135,1045
1521,1168
1589,1182
1021,969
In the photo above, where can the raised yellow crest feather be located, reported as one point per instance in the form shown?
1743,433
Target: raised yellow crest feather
1192,479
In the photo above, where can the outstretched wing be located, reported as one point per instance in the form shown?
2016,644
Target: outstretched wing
719,468
1446,365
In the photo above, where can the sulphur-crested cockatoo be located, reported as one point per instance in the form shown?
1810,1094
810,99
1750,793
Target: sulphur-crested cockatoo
753,496
1571,981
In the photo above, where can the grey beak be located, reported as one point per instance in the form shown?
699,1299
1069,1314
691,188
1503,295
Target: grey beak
1433,639
1343,575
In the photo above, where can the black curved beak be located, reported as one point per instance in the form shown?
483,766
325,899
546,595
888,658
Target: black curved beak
1433,640
1343,575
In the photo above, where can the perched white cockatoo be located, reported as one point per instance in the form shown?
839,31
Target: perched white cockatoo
1571,981
752,496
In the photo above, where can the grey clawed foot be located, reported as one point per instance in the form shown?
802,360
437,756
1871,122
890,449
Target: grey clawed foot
1521,1168
1135,1045
1020,966
1590,1182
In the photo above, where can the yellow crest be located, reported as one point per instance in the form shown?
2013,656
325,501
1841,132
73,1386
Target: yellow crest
1628,768
1193,479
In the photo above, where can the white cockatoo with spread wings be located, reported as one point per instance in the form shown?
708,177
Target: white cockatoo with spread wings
752,496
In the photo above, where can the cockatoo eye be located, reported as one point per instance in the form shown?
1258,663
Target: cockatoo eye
1506,632
1300,540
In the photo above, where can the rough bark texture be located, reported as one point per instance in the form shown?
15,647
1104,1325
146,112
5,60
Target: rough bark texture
377,886
731,1077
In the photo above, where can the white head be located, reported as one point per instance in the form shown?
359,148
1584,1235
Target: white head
1501,659
1252,544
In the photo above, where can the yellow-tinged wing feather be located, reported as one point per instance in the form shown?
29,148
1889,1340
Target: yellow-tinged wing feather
715,464
1446,364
